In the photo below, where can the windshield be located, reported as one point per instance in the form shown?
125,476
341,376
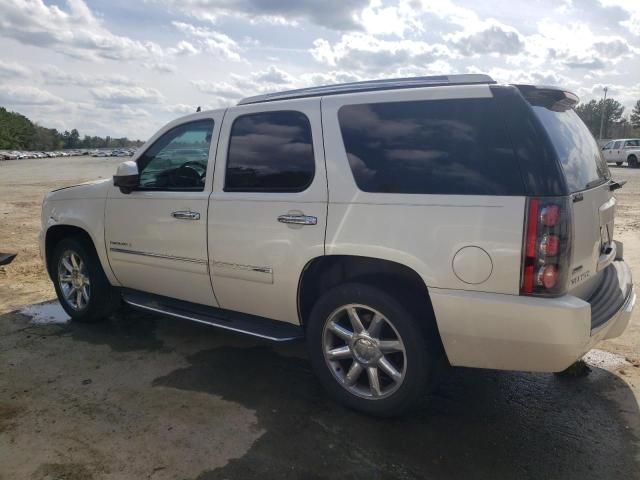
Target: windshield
577,150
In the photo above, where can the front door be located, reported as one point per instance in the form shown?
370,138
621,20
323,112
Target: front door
267,213
157,235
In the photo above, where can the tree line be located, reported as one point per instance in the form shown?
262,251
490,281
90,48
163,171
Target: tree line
614,125
17,132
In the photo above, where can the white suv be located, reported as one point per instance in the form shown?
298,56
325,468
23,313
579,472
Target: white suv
393,224
623,150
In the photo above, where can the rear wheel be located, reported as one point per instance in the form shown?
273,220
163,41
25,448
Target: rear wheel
619,163
81,285
632,161
369,351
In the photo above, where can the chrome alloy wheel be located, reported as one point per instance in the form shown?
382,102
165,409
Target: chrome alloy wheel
364,351
74,280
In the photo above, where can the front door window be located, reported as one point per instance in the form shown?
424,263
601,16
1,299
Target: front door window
177,161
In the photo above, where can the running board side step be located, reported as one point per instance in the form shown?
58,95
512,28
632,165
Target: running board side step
253,325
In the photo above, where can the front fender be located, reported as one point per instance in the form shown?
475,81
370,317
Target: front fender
81,207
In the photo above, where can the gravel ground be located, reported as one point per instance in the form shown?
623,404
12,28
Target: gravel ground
142,397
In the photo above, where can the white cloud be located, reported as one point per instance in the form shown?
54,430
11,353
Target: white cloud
25,95
209,40
126,95
273,75
13,69
616,47
55,76
494,39
367,53
221,89
384,19
75,32
179,108
161,67
333,14
184,48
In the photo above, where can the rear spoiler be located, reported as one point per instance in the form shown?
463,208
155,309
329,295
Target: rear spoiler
553,98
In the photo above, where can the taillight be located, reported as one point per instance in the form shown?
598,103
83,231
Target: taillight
549,245
546,246
547,276
549,215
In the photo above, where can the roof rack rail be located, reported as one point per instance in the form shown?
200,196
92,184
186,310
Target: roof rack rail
372,85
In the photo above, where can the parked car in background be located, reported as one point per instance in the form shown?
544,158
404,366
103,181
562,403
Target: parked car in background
623,150
395,225
9,156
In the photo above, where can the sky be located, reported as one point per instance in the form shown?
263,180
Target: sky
126,67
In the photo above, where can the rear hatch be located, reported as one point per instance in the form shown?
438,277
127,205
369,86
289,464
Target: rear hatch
588,178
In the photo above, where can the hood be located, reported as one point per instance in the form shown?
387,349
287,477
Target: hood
93,189
90,182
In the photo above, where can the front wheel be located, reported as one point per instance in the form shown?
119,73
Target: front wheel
81,285
369,351
619,163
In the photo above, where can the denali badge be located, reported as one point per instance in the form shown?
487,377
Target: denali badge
580,277
121,244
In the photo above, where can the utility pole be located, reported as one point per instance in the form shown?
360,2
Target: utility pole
604,110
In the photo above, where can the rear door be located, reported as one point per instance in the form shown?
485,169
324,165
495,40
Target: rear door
593,204
606,152
267,213
617,153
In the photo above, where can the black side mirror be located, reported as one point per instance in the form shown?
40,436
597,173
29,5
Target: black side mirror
127,177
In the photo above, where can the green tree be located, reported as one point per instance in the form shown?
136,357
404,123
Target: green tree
44,139
17,132
74,139
635,115
591,112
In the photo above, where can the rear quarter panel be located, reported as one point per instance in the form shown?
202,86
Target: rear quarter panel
423,232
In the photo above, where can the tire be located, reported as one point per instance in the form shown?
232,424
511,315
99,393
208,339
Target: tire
619,163
81,285
632,161
414,358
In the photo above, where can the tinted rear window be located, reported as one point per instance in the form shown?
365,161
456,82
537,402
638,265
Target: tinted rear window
430,147
576,148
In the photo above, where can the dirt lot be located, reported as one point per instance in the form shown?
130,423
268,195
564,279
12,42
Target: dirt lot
141,397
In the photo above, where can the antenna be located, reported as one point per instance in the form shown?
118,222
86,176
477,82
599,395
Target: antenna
198,109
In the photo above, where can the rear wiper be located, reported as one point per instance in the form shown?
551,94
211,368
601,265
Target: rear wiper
613,185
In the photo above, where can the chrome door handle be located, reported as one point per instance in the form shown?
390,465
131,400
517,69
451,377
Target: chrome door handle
298,219
186,215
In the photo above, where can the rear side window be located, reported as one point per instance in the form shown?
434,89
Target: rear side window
430,147
270,152
581,159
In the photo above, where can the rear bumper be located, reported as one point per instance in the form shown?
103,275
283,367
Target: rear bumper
509,332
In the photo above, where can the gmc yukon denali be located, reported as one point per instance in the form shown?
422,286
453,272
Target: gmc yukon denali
393,224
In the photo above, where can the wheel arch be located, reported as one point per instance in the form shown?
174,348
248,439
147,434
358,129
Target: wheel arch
58,232
323,273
